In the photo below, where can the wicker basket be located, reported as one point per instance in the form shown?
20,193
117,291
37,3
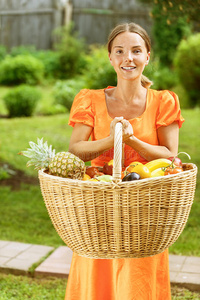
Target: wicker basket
120,219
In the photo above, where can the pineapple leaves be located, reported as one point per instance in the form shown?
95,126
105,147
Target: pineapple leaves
41,154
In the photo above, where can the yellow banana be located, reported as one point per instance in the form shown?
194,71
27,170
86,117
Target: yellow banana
157,163
157,172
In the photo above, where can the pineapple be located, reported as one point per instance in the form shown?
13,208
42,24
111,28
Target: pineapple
63,164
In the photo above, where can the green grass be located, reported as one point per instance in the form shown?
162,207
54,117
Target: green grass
16,133
189,241
24,217
20,287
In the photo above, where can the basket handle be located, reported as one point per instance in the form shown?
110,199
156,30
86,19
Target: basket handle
117,160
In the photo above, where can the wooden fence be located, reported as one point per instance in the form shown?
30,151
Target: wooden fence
95,19
31,22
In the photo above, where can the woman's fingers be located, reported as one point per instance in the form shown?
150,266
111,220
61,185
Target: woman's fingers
127,129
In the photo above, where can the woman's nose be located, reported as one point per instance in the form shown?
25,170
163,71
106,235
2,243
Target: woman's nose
129,56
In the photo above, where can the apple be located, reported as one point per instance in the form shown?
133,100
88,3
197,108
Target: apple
108,167
92,171
176,161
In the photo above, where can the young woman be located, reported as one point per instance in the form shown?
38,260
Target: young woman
151,120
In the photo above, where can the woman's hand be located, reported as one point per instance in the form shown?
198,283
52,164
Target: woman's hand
127,129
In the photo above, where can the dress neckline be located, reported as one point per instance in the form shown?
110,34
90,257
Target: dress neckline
139,117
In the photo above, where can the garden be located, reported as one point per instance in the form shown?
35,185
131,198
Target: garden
37,89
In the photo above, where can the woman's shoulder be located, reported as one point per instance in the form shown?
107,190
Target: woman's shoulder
163,96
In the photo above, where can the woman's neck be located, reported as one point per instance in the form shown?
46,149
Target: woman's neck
129,91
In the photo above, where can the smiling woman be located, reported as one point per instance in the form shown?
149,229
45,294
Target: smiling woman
151,120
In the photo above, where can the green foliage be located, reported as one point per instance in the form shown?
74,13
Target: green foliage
65,91
51,63
23,50
22,101
21,69
175,9
163,77
187,63
98,72
3,52
70,49
49,58
167,35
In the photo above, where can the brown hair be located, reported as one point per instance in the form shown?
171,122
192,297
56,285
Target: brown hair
132,27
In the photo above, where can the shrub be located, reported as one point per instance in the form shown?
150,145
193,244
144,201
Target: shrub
65,91
21,69
163,77
166,35
187,64
23,50
98,72
49,58
70,49
21,101
3,52
51,61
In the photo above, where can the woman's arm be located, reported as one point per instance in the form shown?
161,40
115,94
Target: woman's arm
88,150
168,137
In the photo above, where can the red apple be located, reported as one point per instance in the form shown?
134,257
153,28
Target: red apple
176,161
108,168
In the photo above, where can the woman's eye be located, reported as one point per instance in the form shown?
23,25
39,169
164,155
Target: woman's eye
137,51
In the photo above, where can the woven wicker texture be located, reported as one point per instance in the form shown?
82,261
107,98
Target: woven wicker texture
120,219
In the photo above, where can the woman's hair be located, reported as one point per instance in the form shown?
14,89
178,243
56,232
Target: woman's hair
135,28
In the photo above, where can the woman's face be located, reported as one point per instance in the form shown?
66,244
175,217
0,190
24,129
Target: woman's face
129,55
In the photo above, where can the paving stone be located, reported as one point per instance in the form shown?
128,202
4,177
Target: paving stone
13,249
19,257
192,265
3,243
176,262
57,264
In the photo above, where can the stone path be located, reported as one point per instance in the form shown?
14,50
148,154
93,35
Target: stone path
18,258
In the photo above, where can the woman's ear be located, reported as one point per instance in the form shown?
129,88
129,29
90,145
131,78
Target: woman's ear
110,59
148,58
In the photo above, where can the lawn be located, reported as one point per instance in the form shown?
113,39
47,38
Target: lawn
19,287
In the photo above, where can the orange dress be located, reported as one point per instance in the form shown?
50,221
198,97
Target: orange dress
131,278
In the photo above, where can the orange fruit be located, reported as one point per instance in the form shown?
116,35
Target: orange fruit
86,177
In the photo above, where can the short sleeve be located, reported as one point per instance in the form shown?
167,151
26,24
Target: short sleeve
169,110
81,110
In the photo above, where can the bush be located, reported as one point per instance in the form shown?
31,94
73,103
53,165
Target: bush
167,36
163,77
99,73
49,58
23,50
187,64
3,52
70,50
21,101
21,69
51,61
65,91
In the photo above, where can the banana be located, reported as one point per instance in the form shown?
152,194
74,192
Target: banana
157,163
157,172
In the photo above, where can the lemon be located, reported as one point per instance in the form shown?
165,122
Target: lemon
142,170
